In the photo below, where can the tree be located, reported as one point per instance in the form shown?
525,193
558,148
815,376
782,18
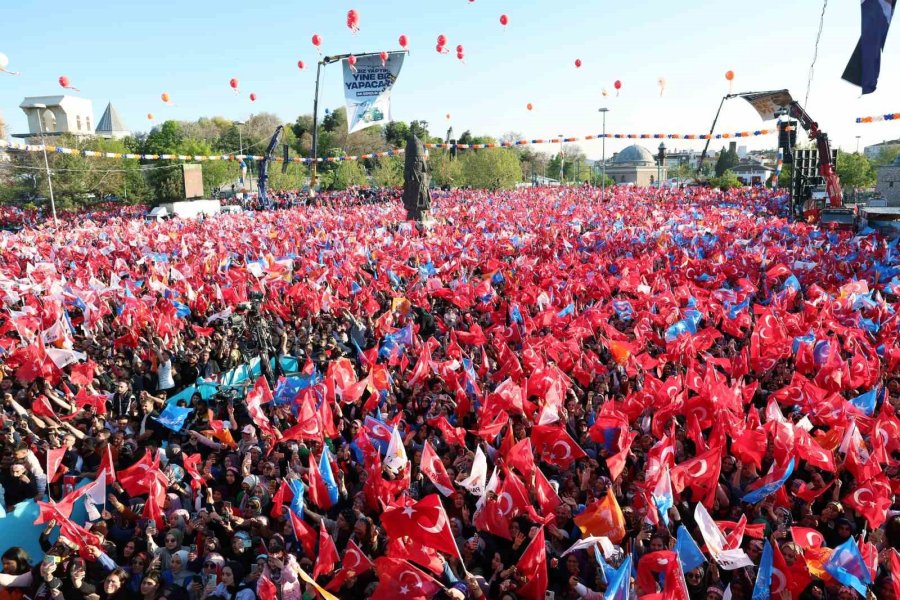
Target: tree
726,181
348,173
445,170
492,169
420,129
388,172
728,159
855,171
886,155
682,171
395,134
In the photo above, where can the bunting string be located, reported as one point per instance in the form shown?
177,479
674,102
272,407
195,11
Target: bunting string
526,142
878,118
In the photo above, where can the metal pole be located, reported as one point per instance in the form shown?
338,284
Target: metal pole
47,162
603,110
315,132
857,144
711,129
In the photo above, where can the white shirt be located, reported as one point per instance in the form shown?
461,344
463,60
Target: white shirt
164,375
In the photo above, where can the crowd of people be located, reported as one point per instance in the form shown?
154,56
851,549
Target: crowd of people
543,394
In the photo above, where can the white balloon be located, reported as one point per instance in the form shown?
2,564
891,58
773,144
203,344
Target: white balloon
4,61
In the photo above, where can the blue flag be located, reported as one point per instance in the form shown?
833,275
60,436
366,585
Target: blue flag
866,402
328,476
848,567
568,310
298,489
865,62
173,416
762,589
606,569
688,551
772,486
620,582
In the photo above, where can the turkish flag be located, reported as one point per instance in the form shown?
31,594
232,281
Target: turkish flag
135,479
304,534
701,474
399,579
861,470
327,556
406,548
152,509
317,490
266,589
807,538
616,463
546,496
191,462
58,510
106,464
82,374
521,457
650,567
895,572
555,445
533,565
490,518
54,461
432,467
452,435
283,494
425,521
513,493
354,563
750,446
872,500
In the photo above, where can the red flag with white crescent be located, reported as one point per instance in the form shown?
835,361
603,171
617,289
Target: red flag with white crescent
425,521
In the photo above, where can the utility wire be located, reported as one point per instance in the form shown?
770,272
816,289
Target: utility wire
812,66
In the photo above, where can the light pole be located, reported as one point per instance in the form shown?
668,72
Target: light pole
661,160
562,162
603,110
39,108
857,144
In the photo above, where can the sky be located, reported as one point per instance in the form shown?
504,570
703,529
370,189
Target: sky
130,53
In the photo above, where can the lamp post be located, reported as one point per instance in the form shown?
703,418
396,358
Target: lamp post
857,144
603,110
39,108
240,124
562,161
661,160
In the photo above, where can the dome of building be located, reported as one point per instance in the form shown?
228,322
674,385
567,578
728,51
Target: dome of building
634,154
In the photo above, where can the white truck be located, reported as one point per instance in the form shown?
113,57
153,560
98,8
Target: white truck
187,209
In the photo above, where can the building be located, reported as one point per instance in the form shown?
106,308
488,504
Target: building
635,165
751,172
873,151
58,115
689,157
111,125
889,182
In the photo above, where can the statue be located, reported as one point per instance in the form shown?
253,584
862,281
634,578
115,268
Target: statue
416,195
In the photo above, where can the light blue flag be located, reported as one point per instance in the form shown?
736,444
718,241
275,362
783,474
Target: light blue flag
620,582
173,416
762,589
328,477
299,490
771,486
688,551
866,402
848,567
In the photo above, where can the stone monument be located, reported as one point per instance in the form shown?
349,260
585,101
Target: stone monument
416,195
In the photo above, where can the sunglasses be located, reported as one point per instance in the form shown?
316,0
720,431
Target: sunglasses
208,565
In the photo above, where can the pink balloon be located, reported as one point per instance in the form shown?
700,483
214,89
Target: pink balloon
577,63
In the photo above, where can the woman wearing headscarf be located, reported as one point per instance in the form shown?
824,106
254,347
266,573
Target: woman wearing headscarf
178,573
231,587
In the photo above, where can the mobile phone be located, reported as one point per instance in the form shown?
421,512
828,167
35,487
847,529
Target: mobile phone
248,543
213,579
226,505
194,548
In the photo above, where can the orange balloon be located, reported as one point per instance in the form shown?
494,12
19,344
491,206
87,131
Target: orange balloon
729,75
530,106
165,97
149,116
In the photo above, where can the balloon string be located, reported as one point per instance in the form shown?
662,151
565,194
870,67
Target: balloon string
10,72
74,89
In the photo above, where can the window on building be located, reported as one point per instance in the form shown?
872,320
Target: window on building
78,122
88,123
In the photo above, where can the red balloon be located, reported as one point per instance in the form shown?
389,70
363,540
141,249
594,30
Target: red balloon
384,57
529,106
460,49
64,81
317,40
729,75
439,48
233,83
301,65
577,63
351,60
442,40
252,97
403,41
618,84
504,20
460,55
353,19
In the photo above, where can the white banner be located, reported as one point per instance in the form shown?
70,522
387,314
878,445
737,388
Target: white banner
367,89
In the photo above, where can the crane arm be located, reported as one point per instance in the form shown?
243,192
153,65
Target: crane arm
826,166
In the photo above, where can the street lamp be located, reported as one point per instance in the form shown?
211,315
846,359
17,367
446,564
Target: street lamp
661,160
857,144
603,110
39,108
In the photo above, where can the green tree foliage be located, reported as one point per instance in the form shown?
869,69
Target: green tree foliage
348,173
682,171
446,170
728,180
855,171
886,156
497,168
388,172
395,134
728,159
